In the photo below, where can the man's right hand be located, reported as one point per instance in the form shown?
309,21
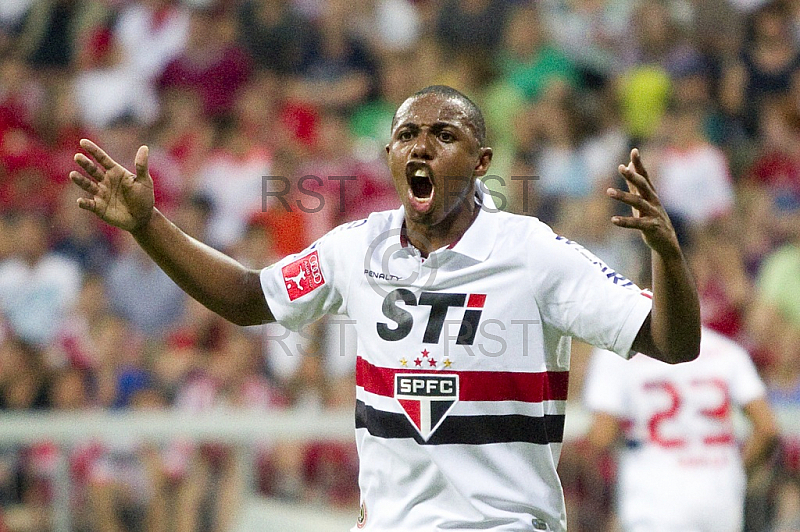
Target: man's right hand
116,195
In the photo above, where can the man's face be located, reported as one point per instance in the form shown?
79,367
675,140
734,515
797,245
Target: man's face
434,157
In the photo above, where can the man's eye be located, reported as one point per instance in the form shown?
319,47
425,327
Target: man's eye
404,135
446,136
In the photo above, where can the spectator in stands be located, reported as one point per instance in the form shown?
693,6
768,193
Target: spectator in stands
693,85
21,95
724,287
12,19
141,294
182,353
231,177
775,170
527,64
29,184
774,319
694,176
211,65
24,379
126,484
54,29
106,89
594,34
341,70
391,26
774,325
474,25
350,188
661,38
264,101
767,61
277,35
185,132
530,61
150,34
555,153
372,119
232,376
83,242
37,286
78,340
658,53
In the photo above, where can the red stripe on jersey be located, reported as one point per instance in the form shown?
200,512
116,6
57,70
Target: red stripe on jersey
476,300
475,385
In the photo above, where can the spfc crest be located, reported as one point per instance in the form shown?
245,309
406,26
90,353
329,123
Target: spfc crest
426,399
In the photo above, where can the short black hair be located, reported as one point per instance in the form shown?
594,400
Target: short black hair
474,113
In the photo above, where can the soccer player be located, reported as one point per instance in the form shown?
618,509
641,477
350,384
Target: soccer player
680,468
464,316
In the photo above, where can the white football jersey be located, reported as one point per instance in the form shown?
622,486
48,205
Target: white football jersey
462,361
680,468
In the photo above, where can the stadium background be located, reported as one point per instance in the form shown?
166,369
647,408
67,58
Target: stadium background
125,406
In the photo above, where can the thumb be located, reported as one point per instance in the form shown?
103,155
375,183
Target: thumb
141,163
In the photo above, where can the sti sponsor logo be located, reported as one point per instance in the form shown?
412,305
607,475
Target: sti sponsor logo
439,303
426,399
302,276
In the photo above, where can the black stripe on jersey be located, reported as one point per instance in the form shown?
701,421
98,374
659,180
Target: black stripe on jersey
469,326
470,430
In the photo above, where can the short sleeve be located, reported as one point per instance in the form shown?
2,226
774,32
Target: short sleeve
746,385
603,389
303,287
584,298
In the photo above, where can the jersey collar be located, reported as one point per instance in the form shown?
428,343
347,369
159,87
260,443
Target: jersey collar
478,240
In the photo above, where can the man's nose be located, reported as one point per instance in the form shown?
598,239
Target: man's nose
422,148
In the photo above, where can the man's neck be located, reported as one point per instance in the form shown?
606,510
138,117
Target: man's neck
428,238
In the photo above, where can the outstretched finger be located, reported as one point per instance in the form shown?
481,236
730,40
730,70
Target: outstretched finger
636,201
84,182
637,183
642,224
638,165
141,163
87,204
89,166
99,155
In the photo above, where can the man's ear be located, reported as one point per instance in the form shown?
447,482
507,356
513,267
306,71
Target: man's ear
387,149
484,160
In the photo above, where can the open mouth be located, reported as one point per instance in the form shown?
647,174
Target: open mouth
420,182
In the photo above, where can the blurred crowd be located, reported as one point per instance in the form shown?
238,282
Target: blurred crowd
266,121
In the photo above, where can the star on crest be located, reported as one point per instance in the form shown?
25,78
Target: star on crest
404,362
425,353
447,362
418,361
432,362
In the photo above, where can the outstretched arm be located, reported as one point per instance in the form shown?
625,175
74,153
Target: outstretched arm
672,331
125,200
764,436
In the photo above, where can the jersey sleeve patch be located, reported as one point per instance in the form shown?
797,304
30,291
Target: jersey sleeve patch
302,276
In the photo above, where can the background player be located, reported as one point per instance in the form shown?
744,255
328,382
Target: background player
679,468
